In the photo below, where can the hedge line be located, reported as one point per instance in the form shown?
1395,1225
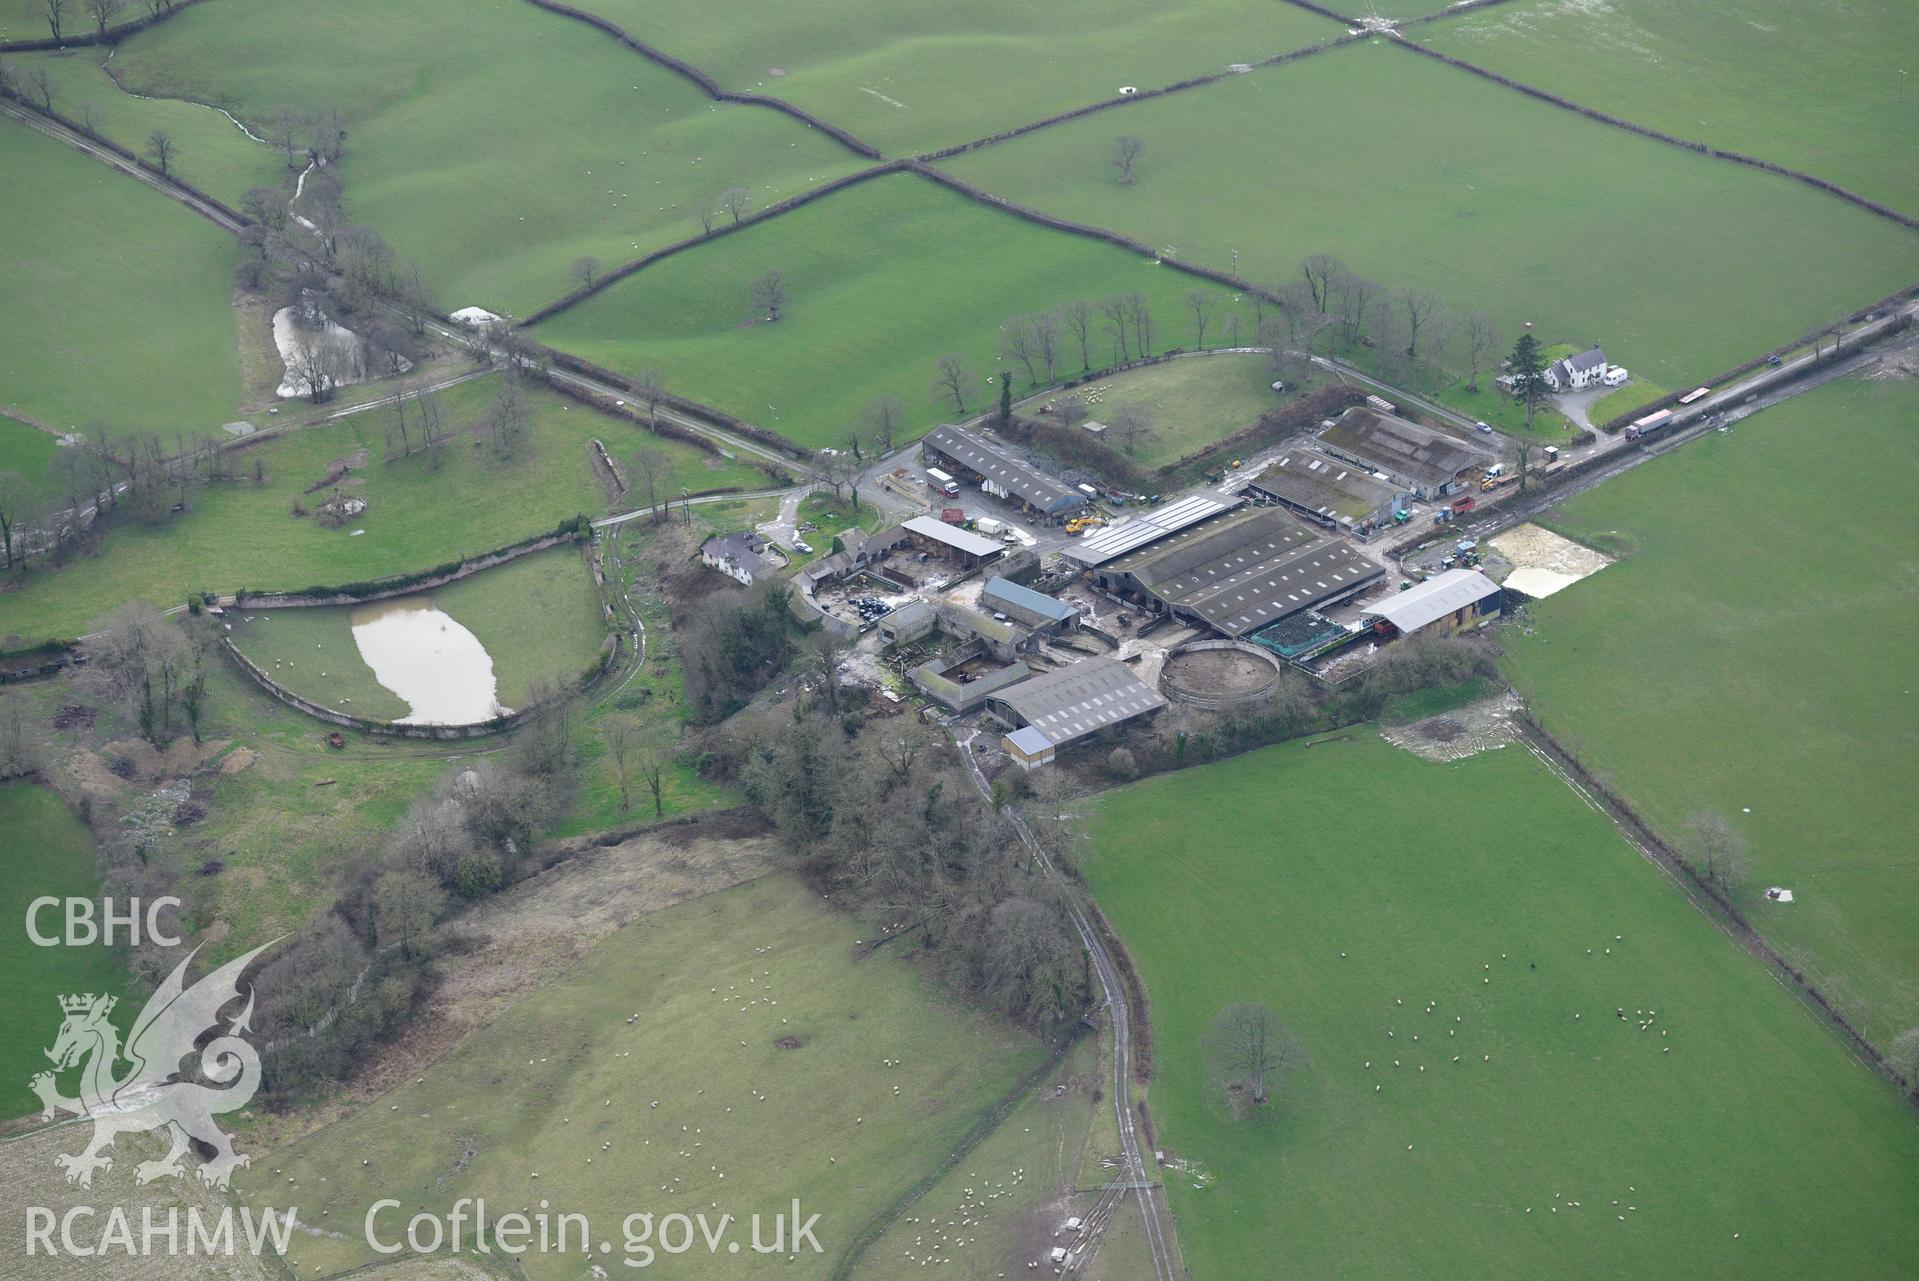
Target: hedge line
706,82
1322,11
1453,12
114,35
225,210
1142,96
575,527
564,301
1746,932
720,418
1717,153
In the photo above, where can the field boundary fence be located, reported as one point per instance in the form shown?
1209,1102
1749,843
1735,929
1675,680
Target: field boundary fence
707,83
1657,135
96,37
1662,852
575,297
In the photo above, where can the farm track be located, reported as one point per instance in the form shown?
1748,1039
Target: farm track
1164,1251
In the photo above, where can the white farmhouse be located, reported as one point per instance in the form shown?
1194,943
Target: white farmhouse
739,556
1575,373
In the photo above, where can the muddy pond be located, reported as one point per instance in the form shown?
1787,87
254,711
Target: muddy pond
429,659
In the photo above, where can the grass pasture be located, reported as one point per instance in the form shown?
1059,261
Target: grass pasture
1194,401
28,453
211,151
716,983
1745,655
538,617
1812,84
1415,173
1346,884
242,535
882,280
494,143
48,851
120,307
914,75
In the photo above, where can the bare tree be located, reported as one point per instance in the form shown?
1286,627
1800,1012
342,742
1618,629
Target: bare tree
622,741
649,388
1046,342
38,85
103,12
319,360
1248,1049
735,200
1126,149
1113,307
1016,343
1358,301
1479,336
1071,410
1419,308
1201,303
13,497
19,754
769,295
1139,310
883,417
506,418
1719,851
55,12
652,771
651,469
951,378
405,905
1322,272
706,211
1077,318
841,472
586,270
1132,426
825,653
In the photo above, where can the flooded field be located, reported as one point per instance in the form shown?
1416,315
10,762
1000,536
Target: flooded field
429,659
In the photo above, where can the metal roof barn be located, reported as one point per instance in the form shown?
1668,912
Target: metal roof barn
1103,545
953,536
1434,599
1077,701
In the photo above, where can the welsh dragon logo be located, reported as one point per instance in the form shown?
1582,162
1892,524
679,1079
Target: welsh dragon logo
148,1095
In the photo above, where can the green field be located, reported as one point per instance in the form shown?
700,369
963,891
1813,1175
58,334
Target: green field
28,453
211,151
913,75
715,984
120,306
241,535
47,852
1812,84
495,143
1415,173
1763,674
1346,884
1194,401
538,617
882,280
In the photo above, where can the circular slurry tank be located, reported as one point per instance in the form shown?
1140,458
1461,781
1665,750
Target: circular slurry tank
1219,673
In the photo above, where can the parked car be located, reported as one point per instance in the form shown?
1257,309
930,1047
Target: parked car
1485,427
801,545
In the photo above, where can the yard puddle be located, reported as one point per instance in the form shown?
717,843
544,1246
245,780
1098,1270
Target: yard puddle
429,659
